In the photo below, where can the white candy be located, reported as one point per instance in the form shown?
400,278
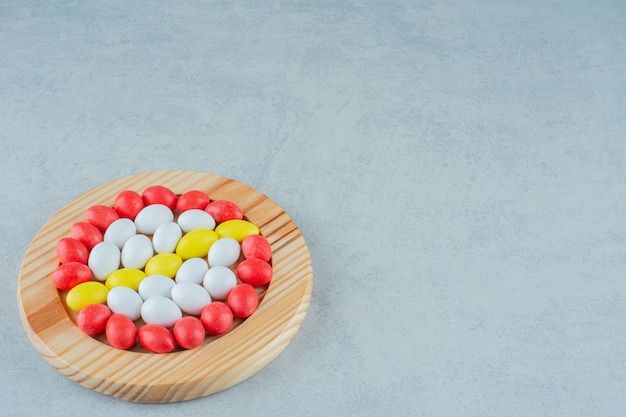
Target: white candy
195,219
156,286
160,310
137,251
192,270
190,297
126,301
104,258
224,252
120,231
166,237
218,281
151,217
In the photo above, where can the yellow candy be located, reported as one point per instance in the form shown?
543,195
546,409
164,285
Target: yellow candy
236,229
196,244
87,293
125,277
164,264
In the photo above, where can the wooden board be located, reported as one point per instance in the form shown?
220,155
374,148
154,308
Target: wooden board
140,376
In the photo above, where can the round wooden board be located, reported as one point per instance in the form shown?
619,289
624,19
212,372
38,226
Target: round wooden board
217,364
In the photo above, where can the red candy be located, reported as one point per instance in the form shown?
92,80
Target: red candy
254,271
222,210
71,250
189,332
93,319
256,246
156,338
243,300
194,199
101,216
216,318
70,274
86,233
158,194
120,331
128,203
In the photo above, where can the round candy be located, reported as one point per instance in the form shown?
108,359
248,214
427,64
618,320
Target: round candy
137,251
151,217
104,259
93,319
87,293
216,318
256,246
192,270
128,203
243,300
193,199
120,231
120,331
125,277
156,286
224,252
236,229
254,271
158,194
189,332
160,310
194,219
218,281
163,264
166,237
126,301
86,233
101,216
196,244
223,210
156,338
70,274
71,250
190,297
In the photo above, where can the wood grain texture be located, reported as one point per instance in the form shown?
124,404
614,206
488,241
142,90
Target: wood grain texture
217,364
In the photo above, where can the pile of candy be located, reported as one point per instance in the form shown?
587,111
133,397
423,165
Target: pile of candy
162,269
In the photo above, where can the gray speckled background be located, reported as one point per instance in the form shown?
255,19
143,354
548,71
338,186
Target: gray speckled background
456,167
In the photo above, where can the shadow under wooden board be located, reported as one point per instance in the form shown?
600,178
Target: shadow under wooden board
138,375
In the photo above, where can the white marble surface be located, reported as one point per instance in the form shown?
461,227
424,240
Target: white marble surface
457,169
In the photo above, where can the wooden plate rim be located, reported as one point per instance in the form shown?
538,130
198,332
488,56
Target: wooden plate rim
180,375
